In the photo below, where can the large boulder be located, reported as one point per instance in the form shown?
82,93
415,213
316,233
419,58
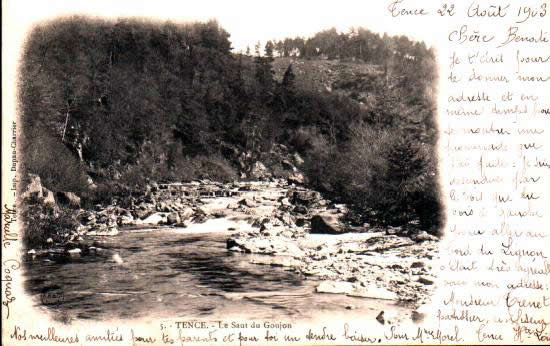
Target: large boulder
143,213
154,219
285,202
33,188
68,199
423,236
298,159
90,182
248,202
200,216
296,178
305,197
186,214
288,165
326,224
173,218
259,171
48,196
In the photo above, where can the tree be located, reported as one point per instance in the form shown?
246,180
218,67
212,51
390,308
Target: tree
247,51
268,49
287,46
288,79
286,93
279,47
264,75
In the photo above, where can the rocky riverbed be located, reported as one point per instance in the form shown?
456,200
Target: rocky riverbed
281,225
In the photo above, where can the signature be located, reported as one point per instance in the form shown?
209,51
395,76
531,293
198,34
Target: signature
10,216
9,266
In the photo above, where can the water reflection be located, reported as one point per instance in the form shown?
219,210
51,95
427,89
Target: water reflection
163,274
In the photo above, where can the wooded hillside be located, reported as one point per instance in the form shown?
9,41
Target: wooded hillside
130,101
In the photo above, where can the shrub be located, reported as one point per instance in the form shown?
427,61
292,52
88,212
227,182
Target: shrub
43,221
385,174
394,175
215,168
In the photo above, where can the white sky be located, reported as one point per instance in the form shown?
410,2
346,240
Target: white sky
246,21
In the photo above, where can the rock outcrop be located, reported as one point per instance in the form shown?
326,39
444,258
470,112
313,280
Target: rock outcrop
259,171
326,224
48,196
68,199
33,188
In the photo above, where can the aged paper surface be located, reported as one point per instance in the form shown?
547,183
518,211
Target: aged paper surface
492,275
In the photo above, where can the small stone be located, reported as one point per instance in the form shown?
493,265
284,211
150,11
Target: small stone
417,317
424,236
380,317
425,281
417,264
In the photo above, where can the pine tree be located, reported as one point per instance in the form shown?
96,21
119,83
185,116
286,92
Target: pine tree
286,95
288,79
264,73
279,47
268,49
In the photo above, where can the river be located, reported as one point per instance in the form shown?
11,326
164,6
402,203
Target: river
165,274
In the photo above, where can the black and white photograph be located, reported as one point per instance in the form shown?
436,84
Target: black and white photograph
168,172
250,173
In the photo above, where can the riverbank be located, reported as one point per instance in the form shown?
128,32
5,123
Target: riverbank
279,224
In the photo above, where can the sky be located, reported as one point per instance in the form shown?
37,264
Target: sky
246,21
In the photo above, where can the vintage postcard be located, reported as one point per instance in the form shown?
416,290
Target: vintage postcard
275,173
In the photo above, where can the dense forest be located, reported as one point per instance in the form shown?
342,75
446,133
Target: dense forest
127,102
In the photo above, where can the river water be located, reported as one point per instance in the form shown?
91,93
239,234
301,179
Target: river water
167,274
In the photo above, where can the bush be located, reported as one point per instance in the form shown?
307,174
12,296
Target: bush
43,221
385,174
215,168
394,175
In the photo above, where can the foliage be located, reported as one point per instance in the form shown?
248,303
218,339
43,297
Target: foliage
136,101
45,221
121,85
57,167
